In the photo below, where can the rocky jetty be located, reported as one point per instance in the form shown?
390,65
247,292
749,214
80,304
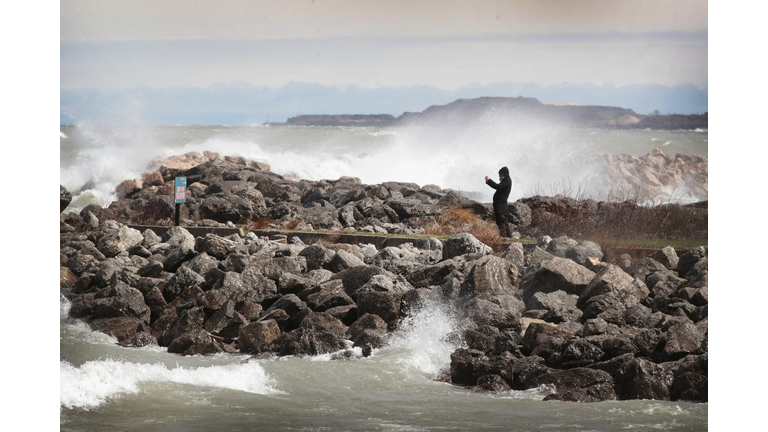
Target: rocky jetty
552,314
232,190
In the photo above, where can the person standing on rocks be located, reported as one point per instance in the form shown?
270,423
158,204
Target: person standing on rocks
500,197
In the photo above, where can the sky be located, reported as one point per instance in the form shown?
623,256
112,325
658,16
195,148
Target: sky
445,46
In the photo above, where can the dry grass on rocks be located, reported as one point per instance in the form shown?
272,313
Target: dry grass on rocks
463,220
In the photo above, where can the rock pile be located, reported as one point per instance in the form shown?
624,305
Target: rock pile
551,314
232,190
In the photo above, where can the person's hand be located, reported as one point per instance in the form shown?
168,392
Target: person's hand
487,178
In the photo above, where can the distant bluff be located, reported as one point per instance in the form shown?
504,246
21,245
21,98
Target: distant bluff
519,109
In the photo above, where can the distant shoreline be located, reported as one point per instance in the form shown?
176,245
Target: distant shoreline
520,108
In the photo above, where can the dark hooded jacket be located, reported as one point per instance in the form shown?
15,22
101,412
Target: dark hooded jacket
501,195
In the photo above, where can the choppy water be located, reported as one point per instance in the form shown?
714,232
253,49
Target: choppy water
541,158
108,387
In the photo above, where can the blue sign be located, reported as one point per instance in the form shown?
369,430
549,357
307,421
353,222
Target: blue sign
181,190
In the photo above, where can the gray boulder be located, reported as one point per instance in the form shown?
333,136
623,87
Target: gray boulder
584,252
491,276
462,244
667,256
559,245
557,274
113,238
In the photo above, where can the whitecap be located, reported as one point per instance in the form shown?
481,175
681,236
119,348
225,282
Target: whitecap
97,382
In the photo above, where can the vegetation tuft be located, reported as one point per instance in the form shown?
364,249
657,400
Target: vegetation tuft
464,220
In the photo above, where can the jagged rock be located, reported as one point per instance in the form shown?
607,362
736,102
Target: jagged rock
323,321
615,281
328,295
667,256
257,337
431,275
124,329
317,257
462,244
343,260
491,276
557,274
560,306
558,246
583,252
467,365
120,300
502,311
689,259
113,238
643,379
304,341
578,385
64,198
279,265
183,278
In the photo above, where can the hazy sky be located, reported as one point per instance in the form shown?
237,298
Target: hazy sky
445,44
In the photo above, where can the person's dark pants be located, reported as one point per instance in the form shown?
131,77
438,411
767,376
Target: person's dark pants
500,214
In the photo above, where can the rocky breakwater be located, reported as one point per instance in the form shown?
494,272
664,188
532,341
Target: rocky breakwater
232,190
549,315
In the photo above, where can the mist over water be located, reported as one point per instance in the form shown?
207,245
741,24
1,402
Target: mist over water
541,157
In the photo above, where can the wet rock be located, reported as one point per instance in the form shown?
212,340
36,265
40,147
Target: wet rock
643,379
304,341
578,385
124,329
257,337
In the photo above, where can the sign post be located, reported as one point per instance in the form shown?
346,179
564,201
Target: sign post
181,196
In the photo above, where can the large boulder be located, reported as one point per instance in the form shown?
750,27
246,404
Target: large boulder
613,280
113,237
120,300
462,244
257,337
559,306
584,252
578,385
642,379
382,296
557,274
64,198
307,341
491,276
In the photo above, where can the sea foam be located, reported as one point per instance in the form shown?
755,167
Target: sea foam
96,382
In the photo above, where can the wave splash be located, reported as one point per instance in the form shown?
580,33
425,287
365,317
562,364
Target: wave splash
425,341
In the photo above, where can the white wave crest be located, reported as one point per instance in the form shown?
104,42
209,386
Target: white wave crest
96,382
